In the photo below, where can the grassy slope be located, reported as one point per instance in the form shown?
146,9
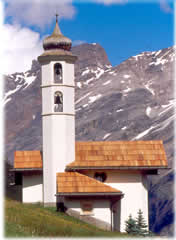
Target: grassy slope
27,220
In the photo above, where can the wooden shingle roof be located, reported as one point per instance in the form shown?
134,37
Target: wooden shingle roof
28,159
120,154
76,183
114,154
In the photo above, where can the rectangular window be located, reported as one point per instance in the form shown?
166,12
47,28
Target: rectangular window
86,207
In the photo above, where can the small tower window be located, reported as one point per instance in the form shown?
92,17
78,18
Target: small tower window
58,73
58,102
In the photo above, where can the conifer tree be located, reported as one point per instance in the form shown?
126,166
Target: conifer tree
131,227
137,226
141,224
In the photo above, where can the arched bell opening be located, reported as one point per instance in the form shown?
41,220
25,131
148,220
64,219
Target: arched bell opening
58,75
58,102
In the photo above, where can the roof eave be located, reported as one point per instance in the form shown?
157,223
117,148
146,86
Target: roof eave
116,168
90,194
25,169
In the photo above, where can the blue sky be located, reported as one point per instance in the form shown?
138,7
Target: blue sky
123,30
122,27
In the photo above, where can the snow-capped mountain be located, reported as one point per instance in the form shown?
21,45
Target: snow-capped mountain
131,101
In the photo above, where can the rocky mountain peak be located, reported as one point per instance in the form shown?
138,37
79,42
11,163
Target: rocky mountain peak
90,56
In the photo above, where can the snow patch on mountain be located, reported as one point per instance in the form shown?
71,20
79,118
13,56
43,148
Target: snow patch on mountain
120,110
167,107
22,81
85,105
99,72
29,80
164,124
6,101
149,88
142,134
94,74
11,92
83,97
89,80
171,102
157,53
137,56
107,82
157,127
85,71
128,89
159,61
108,66
126,76
106,135
94,98
112,73
162,60
148,111
79,84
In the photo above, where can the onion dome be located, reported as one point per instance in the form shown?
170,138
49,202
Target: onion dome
57,40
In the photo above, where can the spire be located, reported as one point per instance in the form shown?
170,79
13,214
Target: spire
57,40
57,30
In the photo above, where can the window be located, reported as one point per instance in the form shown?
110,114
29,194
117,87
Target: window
58,102
57,73
86,207
100,176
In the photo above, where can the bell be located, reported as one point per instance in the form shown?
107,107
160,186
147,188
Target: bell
57,71
58,100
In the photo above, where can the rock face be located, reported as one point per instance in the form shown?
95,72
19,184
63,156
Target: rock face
131,101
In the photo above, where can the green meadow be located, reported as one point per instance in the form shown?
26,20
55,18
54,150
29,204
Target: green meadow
33,220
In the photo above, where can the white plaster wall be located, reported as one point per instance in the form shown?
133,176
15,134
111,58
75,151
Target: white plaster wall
47,100
135,194
101,208
69,74
32,189
47,74
133,186
58,130
58,150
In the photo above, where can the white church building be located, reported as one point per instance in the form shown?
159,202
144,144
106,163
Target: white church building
98,182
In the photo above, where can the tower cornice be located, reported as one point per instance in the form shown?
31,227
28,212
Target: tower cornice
47,57
57,85
58,113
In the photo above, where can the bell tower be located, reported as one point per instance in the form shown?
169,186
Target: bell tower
58,113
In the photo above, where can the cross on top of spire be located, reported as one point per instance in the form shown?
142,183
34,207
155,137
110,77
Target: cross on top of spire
57,17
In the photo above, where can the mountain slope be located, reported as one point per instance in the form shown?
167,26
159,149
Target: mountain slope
131,101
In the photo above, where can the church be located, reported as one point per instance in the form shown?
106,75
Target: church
100,182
